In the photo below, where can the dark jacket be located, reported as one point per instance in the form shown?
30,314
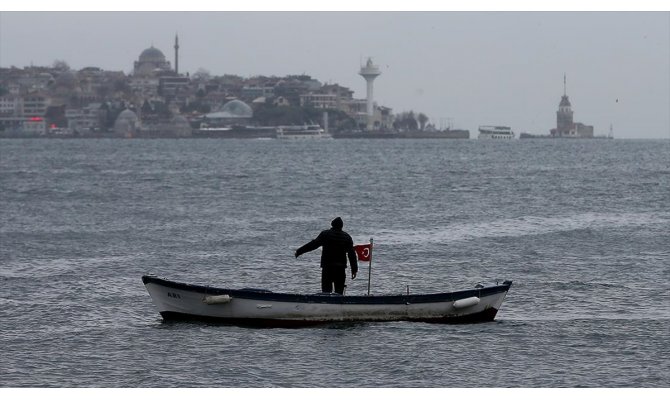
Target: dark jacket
337,245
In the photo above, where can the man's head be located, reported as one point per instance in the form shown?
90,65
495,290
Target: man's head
337,223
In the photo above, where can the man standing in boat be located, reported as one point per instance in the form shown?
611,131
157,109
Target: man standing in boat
337,246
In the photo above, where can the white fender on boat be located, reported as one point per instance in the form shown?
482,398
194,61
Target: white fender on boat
221,299
467,302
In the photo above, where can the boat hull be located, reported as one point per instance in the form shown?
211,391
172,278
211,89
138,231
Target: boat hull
184,302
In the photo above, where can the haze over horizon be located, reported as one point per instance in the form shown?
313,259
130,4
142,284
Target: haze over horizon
460,68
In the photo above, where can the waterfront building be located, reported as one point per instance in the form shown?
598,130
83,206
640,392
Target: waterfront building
34,126
25,126
327,97
175,127
252,92
319,100
144,86
180,126
16,109
385,117
13,88
85,119
10,105
96,85
170,86
35,105
24,113
34,80
358,110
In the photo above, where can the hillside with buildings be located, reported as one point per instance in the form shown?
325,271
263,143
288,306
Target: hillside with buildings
156,99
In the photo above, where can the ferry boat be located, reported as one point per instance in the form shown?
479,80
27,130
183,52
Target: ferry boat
495,132
302,132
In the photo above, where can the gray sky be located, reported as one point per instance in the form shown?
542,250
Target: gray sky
477,68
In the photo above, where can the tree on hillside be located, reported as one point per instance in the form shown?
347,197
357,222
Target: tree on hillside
405,121
423,119
202,75
61,65
55,115
270,115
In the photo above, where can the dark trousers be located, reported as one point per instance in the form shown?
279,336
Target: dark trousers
333,277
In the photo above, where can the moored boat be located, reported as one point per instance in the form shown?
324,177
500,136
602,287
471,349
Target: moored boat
259,307
302,132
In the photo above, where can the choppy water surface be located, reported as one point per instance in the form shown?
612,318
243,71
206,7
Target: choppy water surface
581,227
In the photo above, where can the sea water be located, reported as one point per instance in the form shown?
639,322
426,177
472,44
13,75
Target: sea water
582,228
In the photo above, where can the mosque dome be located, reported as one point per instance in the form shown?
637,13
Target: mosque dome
126,123
151,62
127,114
152,54
232,110
238,108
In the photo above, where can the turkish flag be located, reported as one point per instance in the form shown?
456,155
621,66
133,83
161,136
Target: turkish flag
363,251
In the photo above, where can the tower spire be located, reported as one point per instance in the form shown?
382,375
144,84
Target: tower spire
176,53
565,91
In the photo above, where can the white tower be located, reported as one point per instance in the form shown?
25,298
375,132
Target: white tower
370,72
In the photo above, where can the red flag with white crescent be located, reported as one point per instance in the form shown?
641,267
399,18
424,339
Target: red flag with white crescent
363,251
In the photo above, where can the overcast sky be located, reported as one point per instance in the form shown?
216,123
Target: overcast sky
467,68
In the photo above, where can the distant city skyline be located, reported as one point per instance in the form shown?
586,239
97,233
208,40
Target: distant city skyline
463,69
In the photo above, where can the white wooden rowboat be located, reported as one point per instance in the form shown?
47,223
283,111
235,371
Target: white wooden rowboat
258,307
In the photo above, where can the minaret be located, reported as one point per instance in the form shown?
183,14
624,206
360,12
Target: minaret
176,54
370,72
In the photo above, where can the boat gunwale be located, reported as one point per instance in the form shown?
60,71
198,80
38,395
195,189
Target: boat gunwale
326,298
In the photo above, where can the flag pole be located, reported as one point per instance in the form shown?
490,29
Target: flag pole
370,266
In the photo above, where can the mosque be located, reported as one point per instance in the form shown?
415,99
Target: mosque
153,75
152,62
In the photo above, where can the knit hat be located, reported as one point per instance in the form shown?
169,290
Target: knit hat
337,223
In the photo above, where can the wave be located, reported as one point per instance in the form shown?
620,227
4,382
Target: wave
36,268
524,226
